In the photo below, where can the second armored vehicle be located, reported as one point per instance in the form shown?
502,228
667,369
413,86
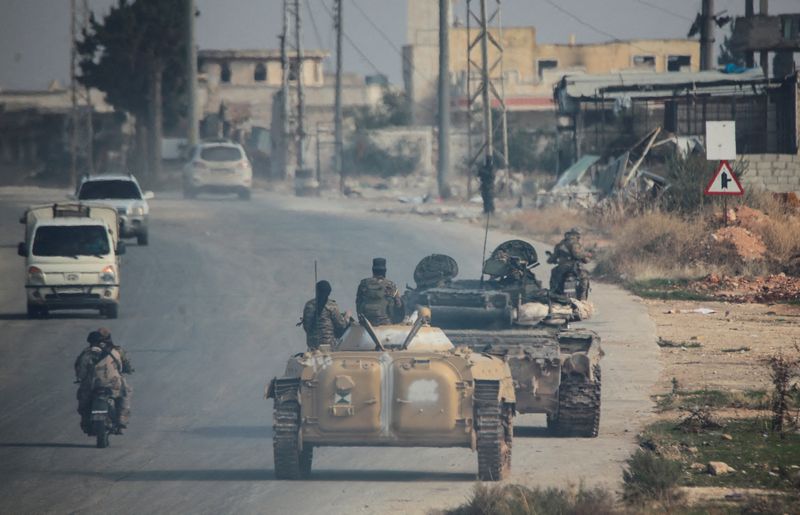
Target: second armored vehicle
393,386
556,369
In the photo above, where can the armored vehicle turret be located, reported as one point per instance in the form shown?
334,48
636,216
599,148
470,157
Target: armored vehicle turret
393,386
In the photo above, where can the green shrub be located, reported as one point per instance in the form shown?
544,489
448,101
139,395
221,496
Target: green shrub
519,500
650,478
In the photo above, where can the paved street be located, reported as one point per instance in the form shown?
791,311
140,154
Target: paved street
208,313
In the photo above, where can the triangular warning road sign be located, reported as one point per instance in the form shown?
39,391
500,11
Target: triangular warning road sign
724,182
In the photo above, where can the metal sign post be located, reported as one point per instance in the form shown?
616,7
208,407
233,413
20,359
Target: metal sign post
721,145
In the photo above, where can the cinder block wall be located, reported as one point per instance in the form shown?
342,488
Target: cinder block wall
773,172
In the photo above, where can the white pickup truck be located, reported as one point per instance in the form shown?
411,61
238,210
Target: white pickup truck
71,256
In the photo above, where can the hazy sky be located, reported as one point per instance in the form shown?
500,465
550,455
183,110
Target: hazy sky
34,34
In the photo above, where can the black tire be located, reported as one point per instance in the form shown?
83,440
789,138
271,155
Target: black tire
101,432
290,462
244,194
578,412
110,311
494,432
36,311
142,238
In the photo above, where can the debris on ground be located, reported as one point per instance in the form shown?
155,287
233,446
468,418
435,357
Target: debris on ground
770,288
719,468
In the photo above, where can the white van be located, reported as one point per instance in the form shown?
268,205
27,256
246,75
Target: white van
71,256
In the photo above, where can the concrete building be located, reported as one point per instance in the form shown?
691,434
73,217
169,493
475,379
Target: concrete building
35,137
530,69
238,89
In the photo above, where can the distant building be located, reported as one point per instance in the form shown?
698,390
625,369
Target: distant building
529,70
239,87
35,137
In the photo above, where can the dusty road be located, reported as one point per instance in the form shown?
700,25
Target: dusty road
208,314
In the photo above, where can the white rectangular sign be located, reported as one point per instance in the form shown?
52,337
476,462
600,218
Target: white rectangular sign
721,141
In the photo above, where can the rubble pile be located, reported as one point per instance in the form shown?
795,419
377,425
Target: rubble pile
747,245
770,288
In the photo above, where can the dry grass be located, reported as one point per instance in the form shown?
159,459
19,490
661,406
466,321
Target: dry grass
547,224
664,245
654,245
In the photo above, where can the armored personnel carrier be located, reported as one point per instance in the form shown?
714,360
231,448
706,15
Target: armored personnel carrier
556,369
393,386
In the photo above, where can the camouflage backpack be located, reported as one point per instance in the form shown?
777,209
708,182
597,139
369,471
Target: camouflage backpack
106,371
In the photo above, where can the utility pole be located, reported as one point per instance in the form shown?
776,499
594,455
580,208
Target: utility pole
488,75
707,36
443,164
283,148
763,10
298,38
749,58
337,116
191,75
81,132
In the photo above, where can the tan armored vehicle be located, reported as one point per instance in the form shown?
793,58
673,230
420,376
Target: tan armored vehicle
556,368
393,386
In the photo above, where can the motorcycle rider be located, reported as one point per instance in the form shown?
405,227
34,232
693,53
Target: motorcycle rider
102,364
568,256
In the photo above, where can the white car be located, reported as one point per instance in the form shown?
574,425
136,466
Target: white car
124,194
218,167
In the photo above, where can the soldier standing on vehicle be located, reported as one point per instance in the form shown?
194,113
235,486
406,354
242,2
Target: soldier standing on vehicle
103,362
568,256
378,298
323,326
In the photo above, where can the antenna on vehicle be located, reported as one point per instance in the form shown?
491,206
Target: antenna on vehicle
485,237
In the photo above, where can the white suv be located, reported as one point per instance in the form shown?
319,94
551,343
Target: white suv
218,167
124,194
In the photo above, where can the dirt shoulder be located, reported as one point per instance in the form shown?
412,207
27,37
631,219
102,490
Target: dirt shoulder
726,349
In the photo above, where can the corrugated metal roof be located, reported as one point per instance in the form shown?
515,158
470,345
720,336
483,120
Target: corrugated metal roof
658,85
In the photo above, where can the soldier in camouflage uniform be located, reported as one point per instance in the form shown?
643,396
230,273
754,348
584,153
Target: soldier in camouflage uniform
568,256
378,298
101,347
323,326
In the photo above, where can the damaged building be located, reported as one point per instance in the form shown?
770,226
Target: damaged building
607,115
35,134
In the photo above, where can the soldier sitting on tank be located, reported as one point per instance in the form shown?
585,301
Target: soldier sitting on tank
511,270
377,297
323,326
569,256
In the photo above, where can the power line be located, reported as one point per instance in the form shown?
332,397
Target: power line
314,25
389,41
589,25
663,10
352,43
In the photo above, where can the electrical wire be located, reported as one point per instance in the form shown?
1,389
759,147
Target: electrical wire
352,43
314,25
665,11
593,27
389,41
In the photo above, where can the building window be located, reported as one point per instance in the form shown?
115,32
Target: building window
644,61
294,69
679,63
260,73
546,64
225,73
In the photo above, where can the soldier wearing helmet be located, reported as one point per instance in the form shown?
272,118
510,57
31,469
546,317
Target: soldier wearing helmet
377,297
569,256
103,361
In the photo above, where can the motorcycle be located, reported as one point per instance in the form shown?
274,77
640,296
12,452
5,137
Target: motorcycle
104,415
